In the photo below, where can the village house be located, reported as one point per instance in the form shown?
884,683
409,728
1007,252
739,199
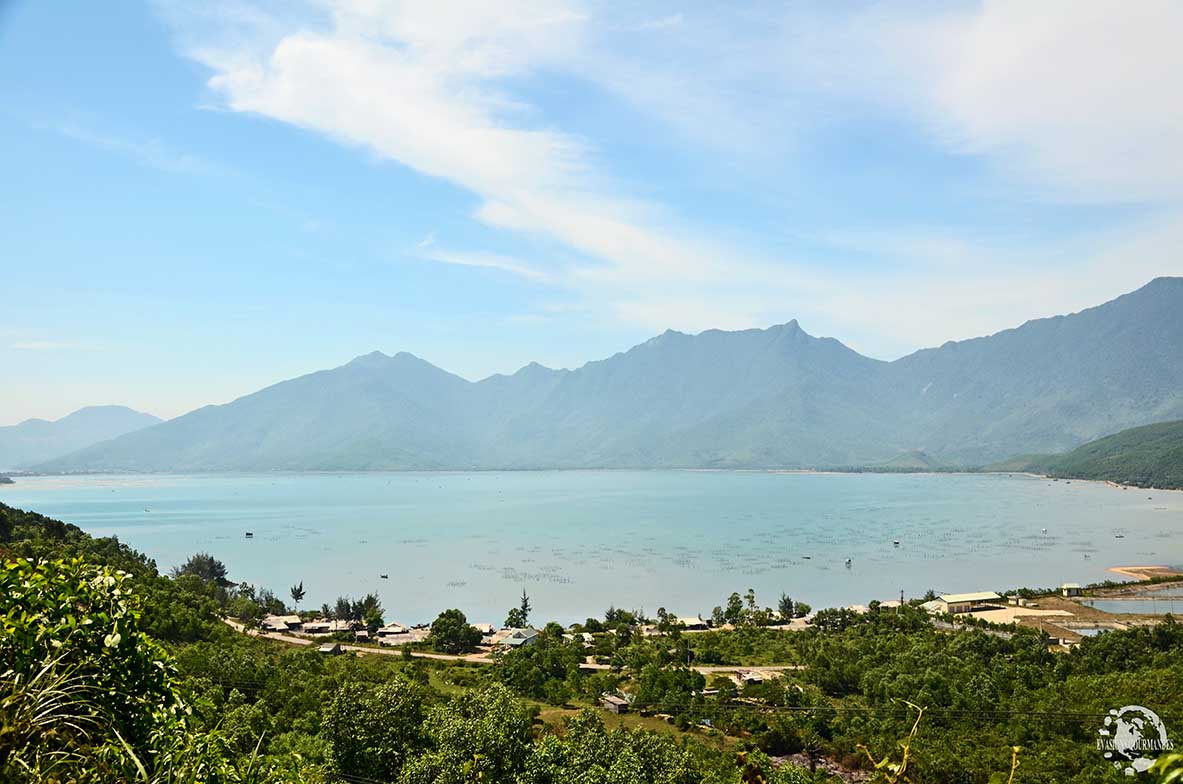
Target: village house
281,623
397,634
957,603
515,638
1070,589
330,649
391,629
614,703
587,639
747,676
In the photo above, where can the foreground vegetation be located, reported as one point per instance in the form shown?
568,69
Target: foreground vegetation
112,671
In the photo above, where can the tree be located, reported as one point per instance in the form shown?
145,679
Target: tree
785,606
297,592
372,619
479,736
206,567
451,633
368,611
372,732
86,695
271,604
667,623
535,670
801,609
614,616
514,619
734,612
524,606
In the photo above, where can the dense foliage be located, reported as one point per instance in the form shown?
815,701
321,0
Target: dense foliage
1150,456
99,685
113,672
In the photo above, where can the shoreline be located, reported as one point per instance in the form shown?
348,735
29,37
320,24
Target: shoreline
1144,573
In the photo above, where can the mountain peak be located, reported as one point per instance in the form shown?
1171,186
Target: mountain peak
372,358
1164,283
35,440
533,369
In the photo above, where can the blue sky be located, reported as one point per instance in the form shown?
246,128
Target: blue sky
200,199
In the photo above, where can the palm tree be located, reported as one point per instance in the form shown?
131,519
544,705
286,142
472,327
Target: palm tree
298,594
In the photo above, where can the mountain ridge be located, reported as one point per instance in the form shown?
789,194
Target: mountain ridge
35,440
759,398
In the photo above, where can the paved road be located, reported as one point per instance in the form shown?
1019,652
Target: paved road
479,658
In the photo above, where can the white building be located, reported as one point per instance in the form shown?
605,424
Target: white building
955,603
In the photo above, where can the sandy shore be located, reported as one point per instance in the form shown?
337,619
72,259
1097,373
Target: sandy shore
1144,572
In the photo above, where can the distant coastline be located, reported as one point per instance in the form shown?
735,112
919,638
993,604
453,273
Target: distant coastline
836,471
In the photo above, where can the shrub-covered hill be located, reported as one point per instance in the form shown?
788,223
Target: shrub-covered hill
1148,456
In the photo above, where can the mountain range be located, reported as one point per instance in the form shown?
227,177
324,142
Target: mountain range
770,398
37,440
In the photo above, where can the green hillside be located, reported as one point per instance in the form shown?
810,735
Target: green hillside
1148,456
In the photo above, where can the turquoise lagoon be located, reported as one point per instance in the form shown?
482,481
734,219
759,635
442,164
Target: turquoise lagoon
579,541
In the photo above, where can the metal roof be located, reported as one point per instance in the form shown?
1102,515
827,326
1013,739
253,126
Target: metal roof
980,596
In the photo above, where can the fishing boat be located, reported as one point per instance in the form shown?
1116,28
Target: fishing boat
384,576
250,534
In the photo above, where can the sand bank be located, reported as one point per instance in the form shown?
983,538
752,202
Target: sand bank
1144,572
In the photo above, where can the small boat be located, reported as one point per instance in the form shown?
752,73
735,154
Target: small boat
895,543
806,557
848,562
250,534
384,576
1119,536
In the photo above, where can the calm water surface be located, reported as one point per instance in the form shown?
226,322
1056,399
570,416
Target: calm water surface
578,541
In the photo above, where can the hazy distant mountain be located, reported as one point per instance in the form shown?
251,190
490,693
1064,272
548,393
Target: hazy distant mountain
37,440
757,398
1050,384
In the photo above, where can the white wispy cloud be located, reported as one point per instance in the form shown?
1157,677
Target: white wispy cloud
1056,96
491,261
150,152
1074,98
